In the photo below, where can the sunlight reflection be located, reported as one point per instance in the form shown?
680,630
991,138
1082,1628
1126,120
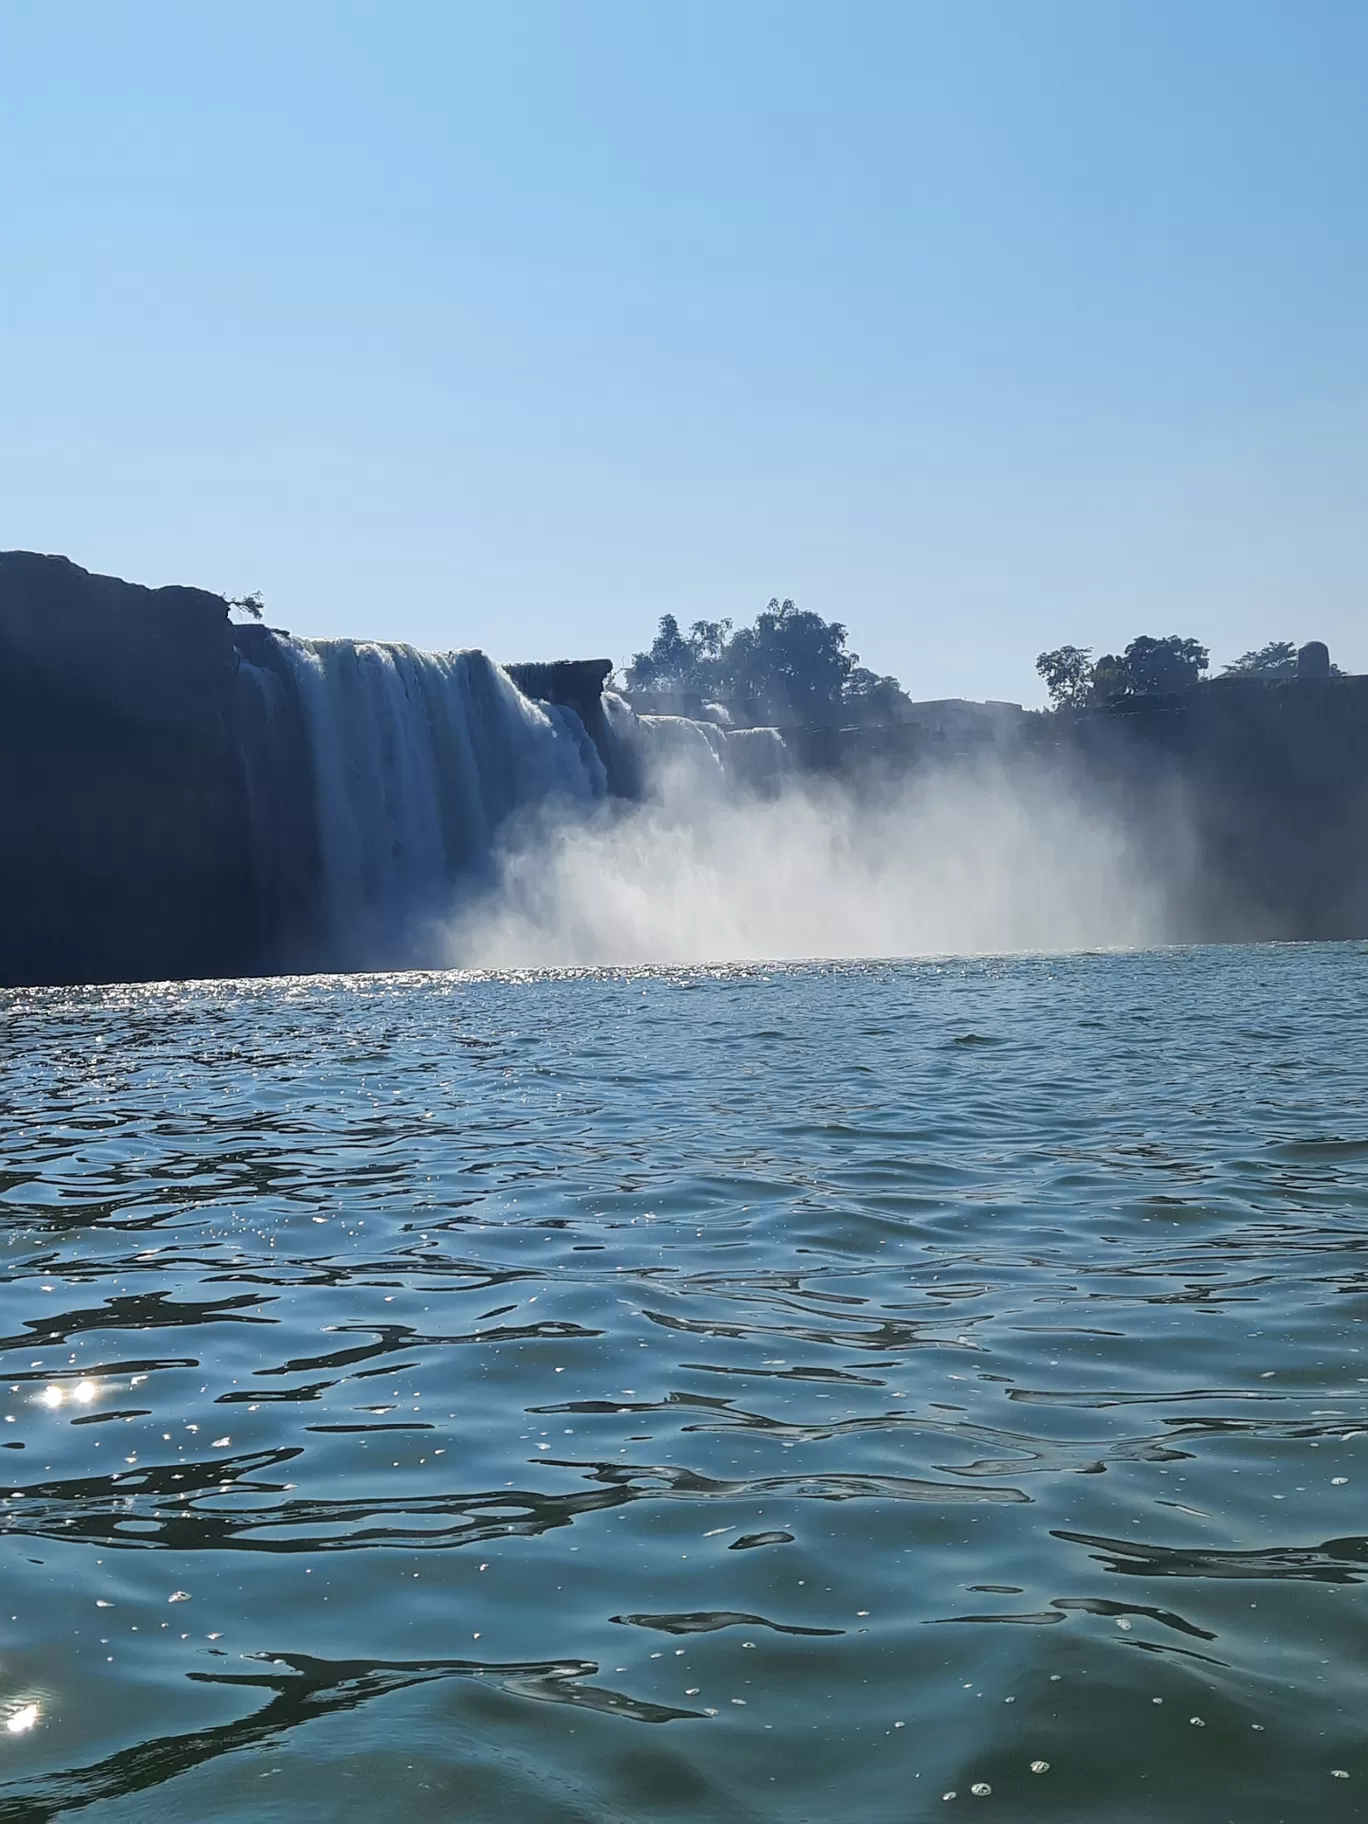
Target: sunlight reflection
23,1718
83,1394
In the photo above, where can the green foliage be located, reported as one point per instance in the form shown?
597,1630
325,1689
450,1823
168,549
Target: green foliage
1156,667
670,664
1108,679
1067,675
873,698
1276,660
790,667
1147,668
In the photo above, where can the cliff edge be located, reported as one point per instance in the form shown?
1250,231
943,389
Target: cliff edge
123,819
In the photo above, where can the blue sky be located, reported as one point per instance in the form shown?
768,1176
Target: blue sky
980,326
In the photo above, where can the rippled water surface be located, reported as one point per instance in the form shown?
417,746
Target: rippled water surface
819,1393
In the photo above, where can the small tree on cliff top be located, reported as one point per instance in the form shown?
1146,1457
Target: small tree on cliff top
1067,675
250,605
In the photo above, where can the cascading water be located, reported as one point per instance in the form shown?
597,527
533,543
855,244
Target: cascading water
709,754
384,785
416,760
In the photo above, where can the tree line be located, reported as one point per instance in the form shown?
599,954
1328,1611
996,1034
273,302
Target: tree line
1151,667
791,666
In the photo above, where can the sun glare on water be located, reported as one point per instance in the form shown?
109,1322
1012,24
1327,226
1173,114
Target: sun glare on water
80,1395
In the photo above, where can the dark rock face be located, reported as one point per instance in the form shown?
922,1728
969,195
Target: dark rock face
1268,784
123,816
579,685
1247,798
277,773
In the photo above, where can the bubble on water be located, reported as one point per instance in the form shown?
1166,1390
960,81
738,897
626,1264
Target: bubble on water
949,1795
1156,1700
1197,1722
1336,1773
1040,1766
1123,1622
179,1596
980,1789
1338,1481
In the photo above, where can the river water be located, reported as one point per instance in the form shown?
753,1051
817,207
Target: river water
831,1392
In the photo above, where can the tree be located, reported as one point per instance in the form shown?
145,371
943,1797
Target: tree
1276,660
792,664
670,664
1108,680
250,605
873,698
1067,675
1156,667
708,639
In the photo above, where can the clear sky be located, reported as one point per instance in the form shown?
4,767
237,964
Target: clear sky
981,325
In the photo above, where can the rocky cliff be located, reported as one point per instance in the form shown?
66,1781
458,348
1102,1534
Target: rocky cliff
123,815
1247,798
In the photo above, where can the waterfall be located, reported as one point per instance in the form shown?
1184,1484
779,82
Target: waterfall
705,755
385,785
414,762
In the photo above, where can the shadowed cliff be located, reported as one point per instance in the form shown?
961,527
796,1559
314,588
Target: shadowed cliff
1249,797
123,815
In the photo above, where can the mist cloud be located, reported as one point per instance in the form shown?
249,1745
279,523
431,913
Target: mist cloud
975,859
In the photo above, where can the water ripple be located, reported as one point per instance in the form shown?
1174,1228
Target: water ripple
794,1357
